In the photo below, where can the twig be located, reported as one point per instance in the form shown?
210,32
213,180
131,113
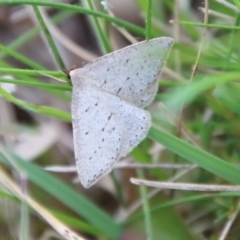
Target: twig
186,186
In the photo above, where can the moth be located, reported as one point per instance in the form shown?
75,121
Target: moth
108,98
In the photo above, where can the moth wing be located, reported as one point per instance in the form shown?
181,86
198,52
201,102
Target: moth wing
129,73
105,129
97,136
145,98
136,122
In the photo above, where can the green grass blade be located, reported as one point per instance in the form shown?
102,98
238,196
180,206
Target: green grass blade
65,194
195,155
21,58
146,209
49,38
184,200
75,8
44,110
32,72
63,87
104,44
180,96
149,20
229,94
26,37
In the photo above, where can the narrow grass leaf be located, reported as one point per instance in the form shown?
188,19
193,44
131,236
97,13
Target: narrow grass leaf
196,155
65,194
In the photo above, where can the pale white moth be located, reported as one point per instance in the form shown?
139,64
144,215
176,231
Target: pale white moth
107,100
